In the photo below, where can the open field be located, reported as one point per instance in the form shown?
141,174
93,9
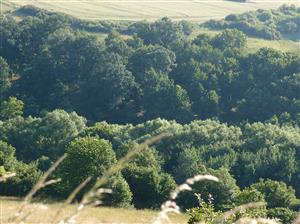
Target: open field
255,43
195,10
93,215
280,45
6,6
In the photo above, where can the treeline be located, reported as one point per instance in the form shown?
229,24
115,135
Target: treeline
267,24
157,72
254,162
91,26
75,23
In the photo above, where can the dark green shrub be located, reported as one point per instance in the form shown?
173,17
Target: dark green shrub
26,177
91,156
277,194
121,195
285,215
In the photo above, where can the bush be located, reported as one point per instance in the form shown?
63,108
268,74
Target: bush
223,192
90,156
149,184
285,215
249,195
150,187
86,157
26,174
26,177
205,213
7,155
277,194
121,195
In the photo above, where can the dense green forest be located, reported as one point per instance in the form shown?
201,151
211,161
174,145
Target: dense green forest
231,113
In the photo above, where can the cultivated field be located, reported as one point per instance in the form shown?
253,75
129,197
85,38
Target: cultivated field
43,214
195,10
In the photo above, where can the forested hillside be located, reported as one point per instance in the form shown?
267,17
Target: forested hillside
230,113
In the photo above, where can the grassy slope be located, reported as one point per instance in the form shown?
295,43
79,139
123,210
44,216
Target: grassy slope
6,6
256,43
281,45
196,10
92,215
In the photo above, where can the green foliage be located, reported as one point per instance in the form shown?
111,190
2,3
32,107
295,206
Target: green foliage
151,57
267,145
277,194
149,184
285,215
56,129
46,136
121,193
162,98
26,174
2,171
249,195
150,187
268,24
115,44
5,81
162,32
86,157
107,91
7,155
205,212
223,192
230,39
91,157
158,72
11,108
26,177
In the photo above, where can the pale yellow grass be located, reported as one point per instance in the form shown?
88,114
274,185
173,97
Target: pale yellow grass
280,45
6,6
91,215
195,10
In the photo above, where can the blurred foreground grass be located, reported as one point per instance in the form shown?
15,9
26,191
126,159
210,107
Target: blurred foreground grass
44,214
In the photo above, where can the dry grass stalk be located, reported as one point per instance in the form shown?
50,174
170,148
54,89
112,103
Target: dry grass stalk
170,206
256,221
42,182
297,221
124,161
235,210
96,192
70,198
72,218
7,176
